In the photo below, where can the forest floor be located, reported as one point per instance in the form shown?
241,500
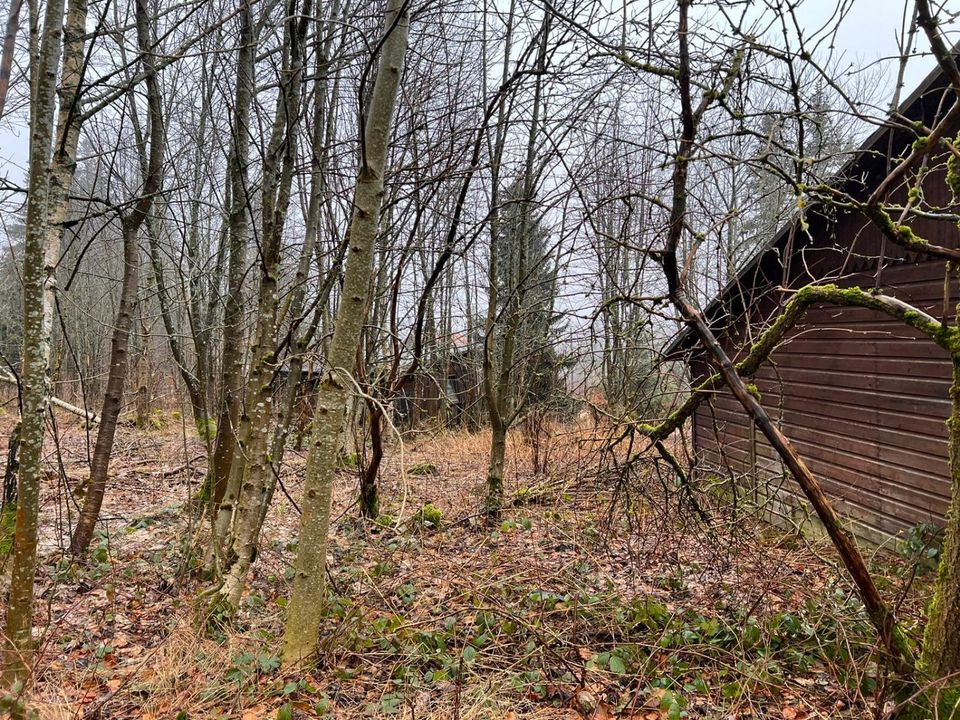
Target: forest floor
581,601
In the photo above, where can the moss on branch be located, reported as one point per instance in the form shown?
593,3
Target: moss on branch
946,337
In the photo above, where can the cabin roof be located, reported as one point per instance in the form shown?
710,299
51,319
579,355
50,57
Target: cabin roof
772,251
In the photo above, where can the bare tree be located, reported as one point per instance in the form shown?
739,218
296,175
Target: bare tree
303,621
130,224
51,173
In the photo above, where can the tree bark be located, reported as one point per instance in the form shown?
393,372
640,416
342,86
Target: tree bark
941,639
231,367
254,437
46,208
303,619
369,492
113,396
321,139
120,343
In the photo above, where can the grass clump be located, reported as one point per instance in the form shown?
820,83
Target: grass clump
424,468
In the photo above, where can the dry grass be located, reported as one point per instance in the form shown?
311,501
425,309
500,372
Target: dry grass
524,609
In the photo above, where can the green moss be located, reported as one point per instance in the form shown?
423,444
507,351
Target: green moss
754,390
7,522
157,420
910,239
953,172
385,520
424,468
947,702
207,429
348,460
429,516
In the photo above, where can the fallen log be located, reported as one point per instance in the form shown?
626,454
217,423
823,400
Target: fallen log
91,418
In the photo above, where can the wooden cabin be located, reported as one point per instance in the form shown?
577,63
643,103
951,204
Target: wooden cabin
863,397
447,393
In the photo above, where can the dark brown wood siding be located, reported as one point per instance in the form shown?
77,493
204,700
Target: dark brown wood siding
863,397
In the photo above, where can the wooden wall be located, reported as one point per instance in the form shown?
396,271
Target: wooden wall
863,397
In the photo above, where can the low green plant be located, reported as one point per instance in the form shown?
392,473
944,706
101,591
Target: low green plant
921,546
252,665
348,460
429,516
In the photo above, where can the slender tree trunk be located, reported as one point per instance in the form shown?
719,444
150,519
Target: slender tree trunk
40,253
877,610
113,396
198,404
303,619
941,639
255,474
8,502
9,44
322,133
369,494
495,469
120,343
223,496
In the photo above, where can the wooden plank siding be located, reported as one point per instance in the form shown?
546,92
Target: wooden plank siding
863,397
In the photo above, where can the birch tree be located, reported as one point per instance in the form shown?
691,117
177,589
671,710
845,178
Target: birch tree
251,473
52,164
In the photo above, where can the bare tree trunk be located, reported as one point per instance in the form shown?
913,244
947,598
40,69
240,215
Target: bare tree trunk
113,396
254,437
198,404
303,619
489,372
40,252
120,343
498,378
877,610
369,493
321,139
8,499
222,498
941,640
9,42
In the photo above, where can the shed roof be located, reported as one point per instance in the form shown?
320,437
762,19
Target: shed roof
771,251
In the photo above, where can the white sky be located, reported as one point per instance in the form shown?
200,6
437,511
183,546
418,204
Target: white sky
866,36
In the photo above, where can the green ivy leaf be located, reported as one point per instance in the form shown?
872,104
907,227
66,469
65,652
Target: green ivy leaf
617,665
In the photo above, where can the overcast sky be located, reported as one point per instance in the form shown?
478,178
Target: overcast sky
866,36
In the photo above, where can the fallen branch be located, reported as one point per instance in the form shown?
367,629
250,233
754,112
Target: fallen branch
91,418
